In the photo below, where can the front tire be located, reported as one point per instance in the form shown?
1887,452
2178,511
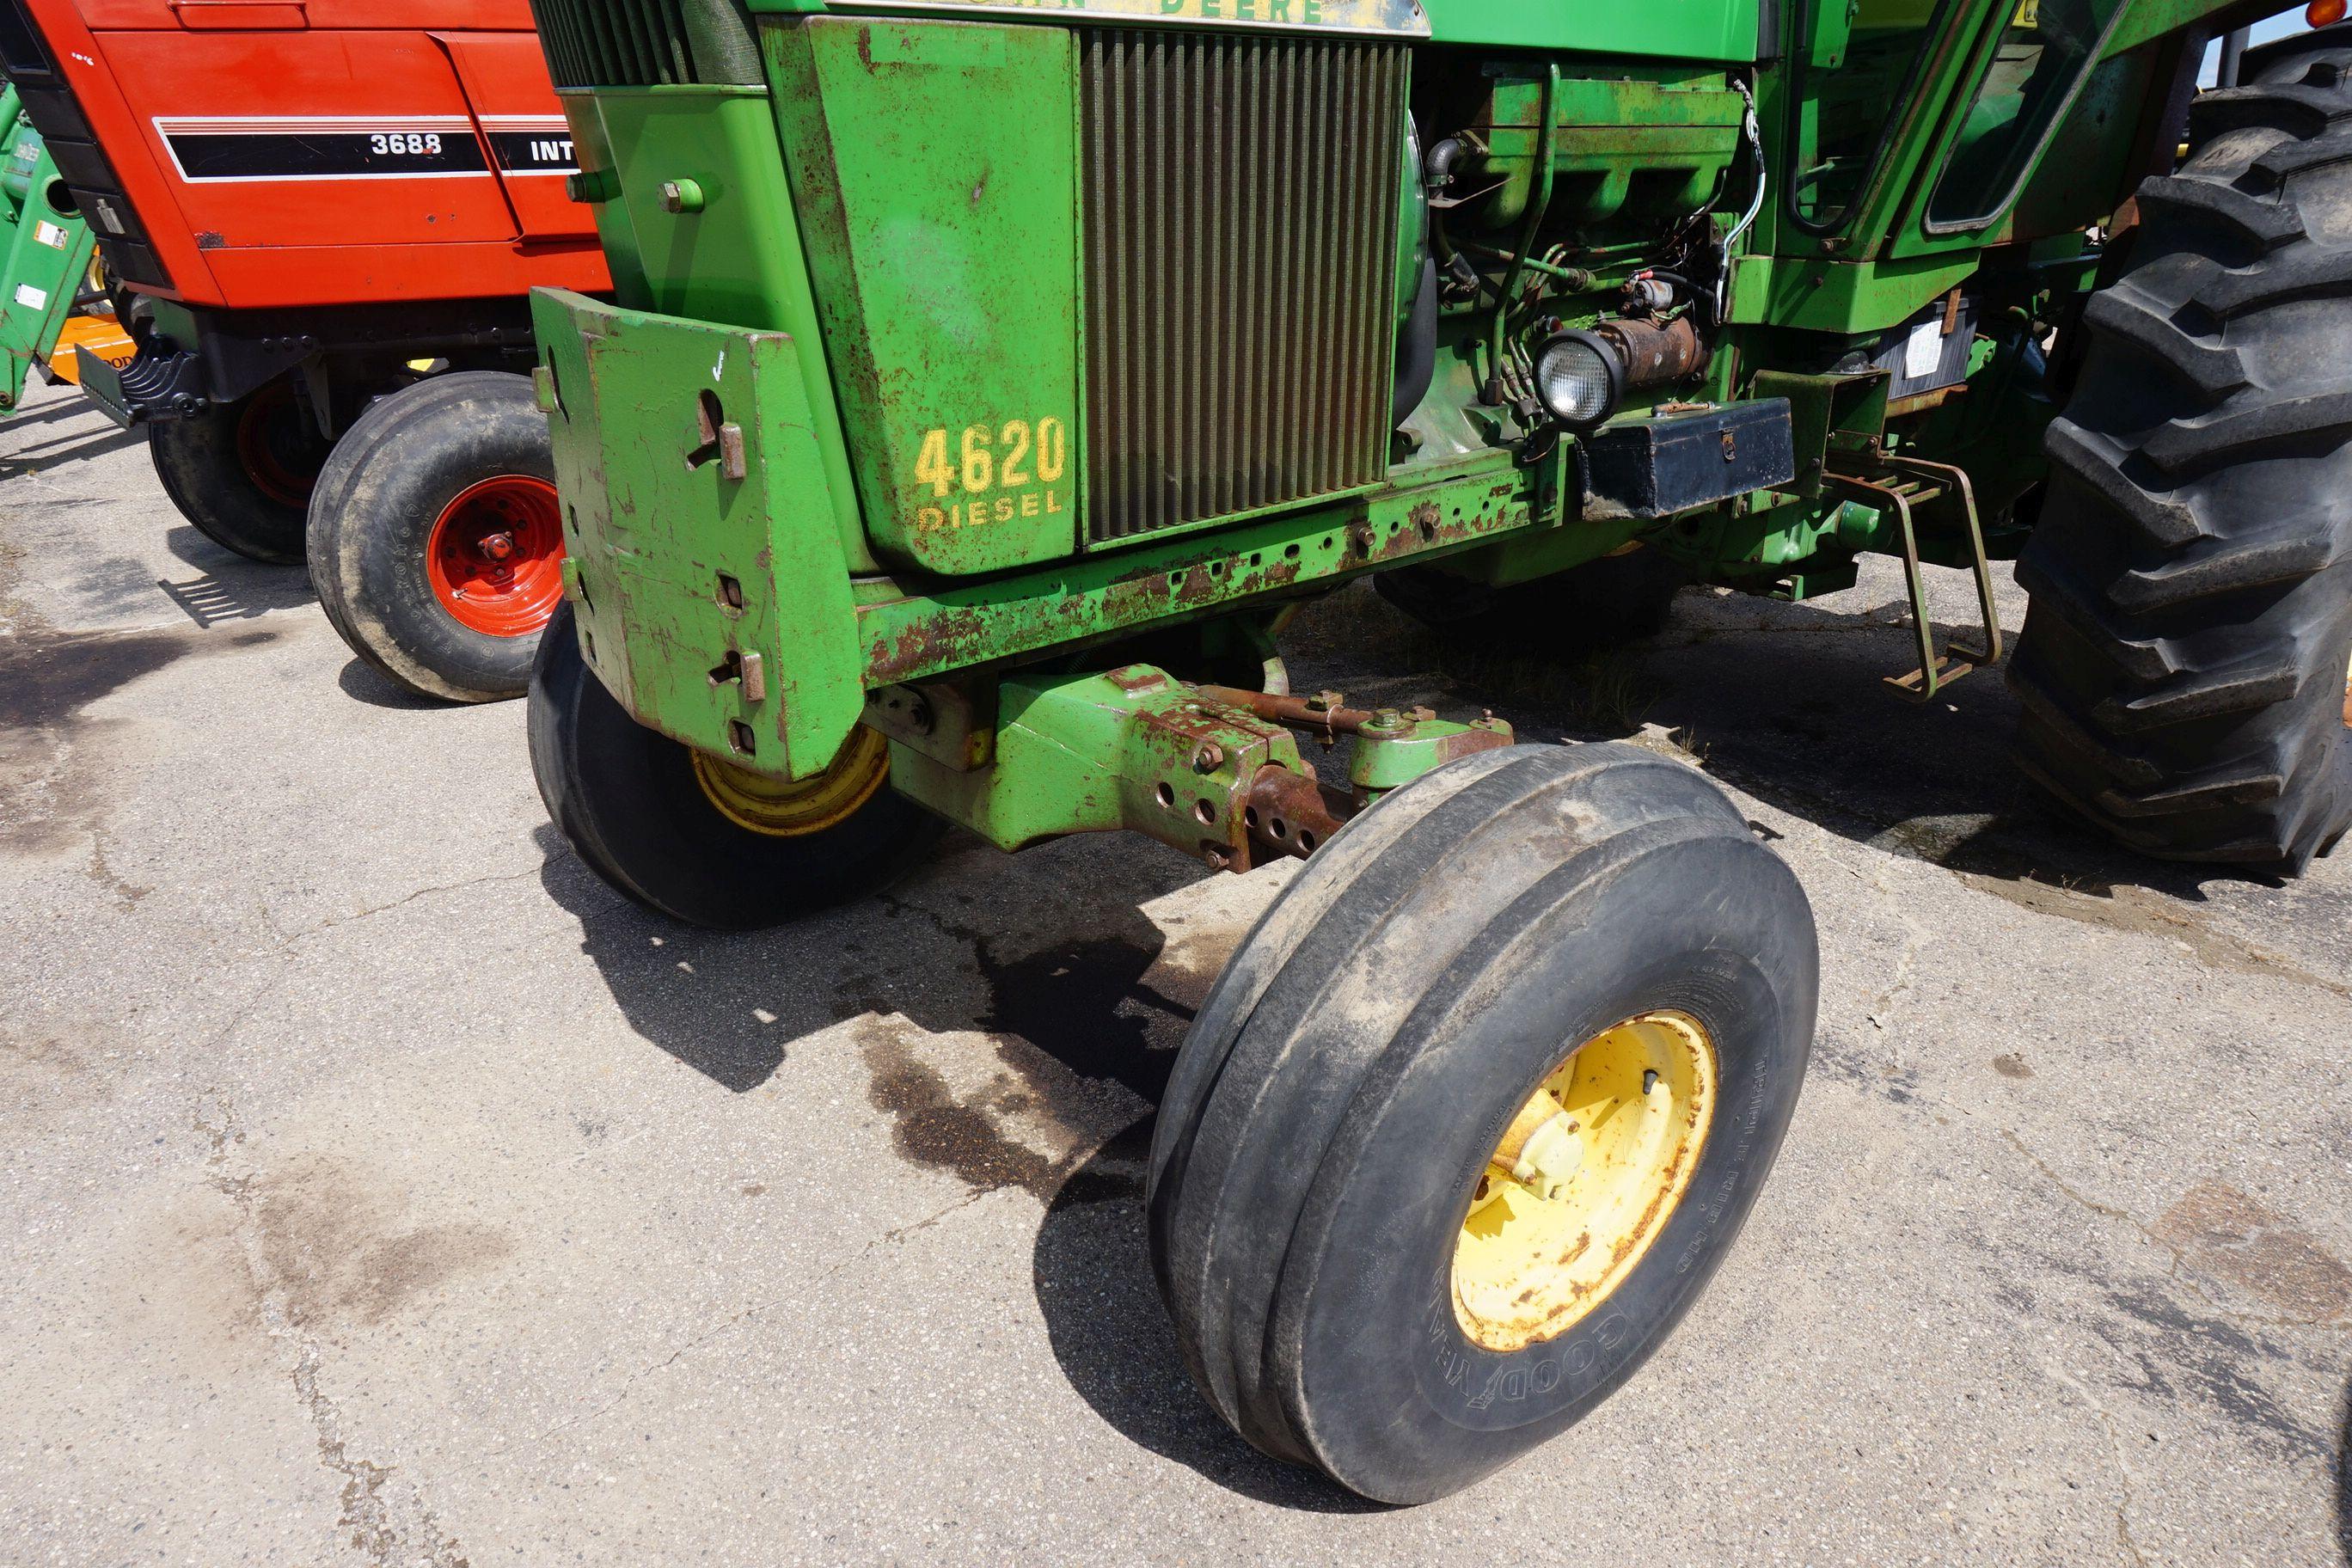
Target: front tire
1317,1169
243,472
2182,664
436,537
697,840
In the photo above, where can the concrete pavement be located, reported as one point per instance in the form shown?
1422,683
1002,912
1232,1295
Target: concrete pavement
383,1189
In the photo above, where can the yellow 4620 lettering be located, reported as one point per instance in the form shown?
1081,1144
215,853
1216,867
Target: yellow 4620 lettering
1012,469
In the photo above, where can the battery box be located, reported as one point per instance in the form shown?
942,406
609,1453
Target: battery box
1683,456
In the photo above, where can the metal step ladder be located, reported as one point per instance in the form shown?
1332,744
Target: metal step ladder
1906,486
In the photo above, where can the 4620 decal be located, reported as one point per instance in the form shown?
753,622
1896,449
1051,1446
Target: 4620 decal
1012,468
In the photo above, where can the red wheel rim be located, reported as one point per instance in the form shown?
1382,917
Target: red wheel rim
275,445
495,556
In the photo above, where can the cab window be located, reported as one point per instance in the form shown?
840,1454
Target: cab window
1857,60
2043,54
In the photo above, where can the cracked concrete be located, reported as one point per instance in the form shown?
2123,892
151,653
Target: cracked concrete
386,1521
385,1190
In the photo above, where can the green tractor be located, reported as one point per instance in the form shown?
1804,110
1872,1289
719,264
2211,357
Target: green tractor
45,251
987,381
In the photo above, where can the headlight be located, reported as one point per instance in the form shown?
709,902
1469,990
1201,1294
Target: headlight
1579,380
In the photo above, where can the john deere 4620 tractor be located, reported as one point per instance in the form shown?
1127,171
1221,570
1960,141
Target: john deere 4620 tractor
986,381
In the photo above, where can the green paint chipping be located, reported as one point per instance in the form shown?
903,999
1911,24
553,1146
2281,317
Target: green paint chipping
689,468
935,169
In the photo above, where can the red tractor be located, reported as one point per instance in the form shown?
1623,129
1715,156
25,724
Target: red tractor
322,218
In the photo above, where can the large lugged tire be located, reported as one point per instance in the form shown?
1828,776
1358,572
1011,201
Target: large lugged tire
437,539
243,472
1599,605
2183,661
695,839
1588,932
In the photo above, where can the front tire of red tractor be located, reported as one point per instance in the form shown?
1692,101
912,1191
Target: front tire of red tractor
696,839
1476,1112
2183,662
437,539
243,472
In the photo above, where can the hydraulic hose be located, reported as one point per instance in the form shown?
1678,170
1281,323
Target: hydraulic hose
1755,204
1537,203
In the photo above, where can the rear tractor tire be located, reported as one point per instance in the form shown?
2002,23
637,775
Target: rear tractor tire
436,537
695,838
2183,664
1476,1112
242,472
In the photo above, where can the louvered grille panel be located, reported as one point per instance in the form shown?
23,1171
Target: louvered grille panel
1240,214
614,43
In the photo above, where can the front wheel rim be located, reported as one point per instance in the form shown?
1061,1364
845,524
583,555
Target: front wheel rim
1587,1174
779,809
275,447
495,555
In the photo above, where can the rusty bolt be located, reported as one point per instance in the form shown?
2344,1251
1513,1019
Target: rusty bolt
1209,758
1218,859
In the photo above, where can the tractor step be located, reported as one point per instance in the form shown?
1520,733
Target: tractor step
1907,486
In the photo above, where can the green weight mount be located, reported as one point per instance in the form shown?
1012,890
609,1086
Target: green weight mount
1212,771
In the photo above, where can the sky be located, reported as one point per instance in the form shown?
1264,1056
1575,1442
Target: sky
2278,27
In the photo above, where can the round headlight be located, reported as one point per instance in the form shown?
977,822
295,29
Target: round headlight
1578,379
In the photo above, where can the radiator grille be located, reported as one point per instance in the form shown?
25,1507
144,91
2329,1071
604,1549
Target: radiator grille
646,43
1240,214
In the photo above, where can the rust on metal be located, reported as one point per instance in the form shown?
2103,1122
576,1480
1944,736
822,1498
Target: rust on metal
1319,712
1136,680
1288,812
915,634
1656,356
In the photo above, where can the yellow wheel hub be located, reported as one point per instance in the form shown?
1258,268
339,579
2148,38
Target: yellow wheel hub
1585,1176
787,810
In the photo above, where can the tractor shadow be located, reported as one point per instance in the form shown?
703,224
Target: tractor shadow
719,1002
1111,1337
65,406
363,682
75,445
1039,972
1050,959
1785,703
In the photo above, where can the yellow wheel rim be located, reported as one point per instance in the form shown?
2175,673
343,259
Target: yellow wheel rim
786,810
1585,1176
